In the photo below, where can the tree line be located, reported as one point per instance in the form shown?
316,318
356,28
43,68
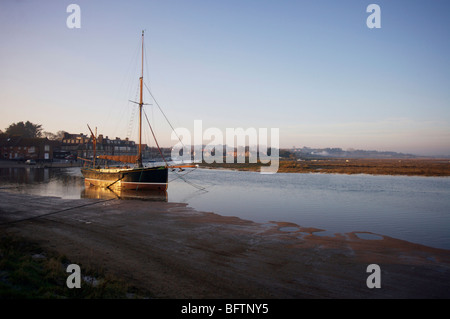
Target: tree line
31,130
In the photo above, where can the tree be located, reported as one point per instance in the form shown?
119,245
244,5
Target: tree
27,129
49,135
54,137
60,135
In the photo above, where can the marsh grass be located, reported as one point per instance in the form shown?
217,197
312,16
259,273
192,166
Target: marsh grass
411,167
29,272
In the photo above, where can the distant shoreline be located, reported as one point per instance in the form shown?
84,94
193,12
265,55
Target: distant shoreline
409,167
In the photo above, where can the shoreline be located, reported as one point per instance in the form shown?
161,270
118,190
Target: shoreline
393,167
173,251
429,167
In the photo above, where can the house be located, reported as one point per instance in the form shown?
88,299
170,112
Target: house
25,148
81,145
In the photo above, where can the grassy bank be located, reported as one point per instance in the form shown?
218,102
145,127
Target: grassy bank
411,167
29,272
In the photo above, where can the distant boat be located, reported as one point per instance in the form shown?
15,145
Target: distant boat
137,177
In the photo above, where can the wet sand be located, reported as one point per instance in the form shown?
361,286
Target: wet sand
173,251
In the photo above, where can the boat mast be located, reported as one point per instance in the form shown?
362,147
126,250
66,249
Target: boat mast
94,142
141,103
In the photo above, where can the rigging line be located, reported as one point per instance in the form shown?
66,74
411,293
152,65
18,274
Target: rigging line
154,137
154,99
148,77
156,102
126,89
190,183
125,84
190,171
181,176
57,212
131,125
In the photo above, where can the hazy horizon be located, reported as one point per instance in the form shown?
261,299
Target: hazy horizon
313,70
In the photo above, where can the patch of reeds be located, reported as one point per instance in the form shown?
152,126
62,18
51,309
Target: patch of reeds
29,272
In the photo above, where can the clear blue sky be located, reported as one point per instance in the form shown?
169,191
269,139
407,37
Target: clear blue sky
312,68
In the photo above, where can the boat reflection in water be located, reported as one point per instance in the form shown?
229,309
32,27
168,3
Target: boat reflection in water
125,194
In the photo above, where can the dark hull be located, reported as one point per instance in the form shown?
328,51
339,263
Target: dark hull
154,178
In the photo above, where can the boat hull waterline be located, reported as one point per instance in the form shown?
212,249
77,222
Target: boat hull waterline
154,178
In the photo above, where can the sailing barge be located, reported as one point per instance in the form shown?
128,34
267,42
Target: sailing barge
136,178
129,178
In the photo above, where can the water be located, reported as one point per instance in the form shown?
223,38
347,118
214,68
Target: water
415,209
64,183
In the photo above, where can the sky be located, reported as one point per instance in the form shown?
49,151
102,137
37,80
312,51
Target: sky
313,69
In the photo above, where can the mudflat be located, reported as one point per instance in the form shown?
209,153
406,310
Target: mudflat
174,251
403,166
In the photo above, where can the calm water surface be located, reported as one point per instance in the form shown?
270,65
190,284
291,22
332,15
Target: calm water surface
416,209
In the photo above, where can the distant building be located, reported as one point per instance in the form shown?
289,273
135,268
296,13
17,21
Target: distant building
72,141
81,145
24,148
